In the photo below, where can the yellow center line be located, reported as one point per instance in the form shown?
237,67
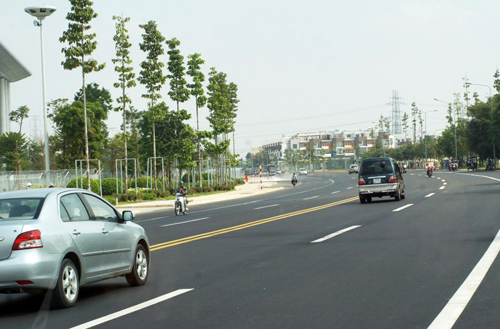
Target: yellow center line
247,225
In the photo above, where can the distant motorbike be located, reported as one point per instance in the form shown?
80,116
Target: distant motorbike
294,181
429,173
179,204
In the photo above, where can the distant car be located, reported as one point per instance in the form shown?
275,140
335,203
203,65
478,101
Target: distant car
302,171
57,239
278,171
353,169
380,177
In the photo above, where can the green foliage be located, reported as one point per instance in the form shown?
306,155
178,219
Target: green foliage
178,91
148,196
14,151
94,185
109,186
80,44
143,181
94,94
196,88
69,123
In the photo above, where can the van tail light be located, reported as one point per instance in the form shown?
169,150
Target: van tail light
28,240
361,181
393,179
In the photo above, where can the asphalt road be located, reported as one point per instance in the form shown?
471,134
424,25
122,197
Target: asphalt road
309,256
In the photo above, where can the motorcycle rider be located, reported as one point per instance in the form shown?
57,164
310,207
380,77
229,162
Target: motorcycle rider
430,168
182,190
294,178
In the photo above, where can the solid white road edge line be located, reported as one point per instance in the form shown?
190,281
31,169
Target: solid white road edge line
429,195
336,233
188,221
132,309
273,205
455,306
313,197
399,209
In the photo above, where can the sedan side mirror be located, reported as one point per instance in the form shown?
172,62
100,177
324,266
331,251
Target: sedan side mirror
127,215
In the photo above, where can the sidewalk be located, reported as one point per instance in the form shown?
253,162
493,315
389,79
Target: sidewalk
241,191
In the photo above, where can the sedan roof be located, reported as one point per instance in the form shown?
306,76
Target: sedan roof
35,193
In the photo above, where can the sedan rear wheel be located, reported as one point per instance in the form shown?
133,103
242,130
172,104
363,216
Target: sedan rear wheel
362,199
66,291
140,268
397,195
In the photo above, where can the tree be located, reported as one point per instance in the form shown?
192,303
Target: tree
69,128
18,116
222,114
414,112
421,124
95,94
405,124
151,75
126,77
196,90
81,44
133,118
178,91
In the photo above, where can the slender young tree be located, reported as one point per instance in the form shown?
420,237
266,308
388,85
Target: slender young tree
126,77
405,124
178,93
414,112
151,75
196,89
18,116
81,45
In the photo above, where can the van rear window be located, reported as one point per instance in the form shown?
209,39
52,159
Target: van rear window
377,167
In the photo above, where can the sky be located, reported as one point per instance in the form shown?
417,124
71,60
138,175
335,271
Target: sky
300,66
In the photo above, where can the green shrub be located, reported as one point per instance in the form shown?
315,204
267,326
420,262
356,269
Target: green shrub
240,181
109,186
149,196
94,184
110,199
143,182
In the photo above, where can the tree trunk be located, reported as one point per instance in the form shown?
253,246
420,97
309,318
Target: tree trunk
86,128
125,138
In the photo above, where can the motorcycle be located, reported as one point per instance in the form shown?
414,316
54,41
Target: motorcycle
429,172
294,181
179,204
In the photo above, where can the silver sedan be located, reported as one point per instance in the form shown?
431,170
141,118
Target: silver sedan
59,239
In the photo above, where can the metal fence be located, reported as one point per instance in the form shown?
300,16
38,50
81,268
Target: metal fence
11,180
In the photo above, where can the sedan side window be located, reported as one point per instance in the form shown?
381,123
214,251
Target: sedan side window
101,209
74,207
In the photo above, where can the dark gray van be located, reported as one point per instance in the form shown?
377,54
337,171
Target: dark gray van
380,177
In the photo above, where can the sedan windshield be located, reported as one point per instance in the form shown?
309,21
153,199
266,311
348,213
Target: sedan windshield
13,209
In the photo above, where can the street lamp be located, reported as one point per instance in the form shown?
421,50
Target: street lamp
454,124
40,13
491,102
425,134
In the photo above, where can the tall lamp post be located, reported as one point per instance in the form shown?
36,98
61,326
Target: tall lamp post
425,134
491,113
40,13
454,124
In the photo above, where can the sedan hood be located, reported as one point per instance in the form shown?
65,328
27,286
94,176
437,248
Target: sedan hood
8,234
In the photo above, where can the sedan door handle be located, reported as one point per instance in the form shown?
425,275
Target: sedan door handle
75,232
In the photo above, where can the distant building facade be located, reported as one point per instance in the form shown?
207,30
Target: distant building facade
10,71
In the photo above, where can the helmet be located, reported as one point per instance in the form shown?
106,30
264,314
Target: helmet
181,182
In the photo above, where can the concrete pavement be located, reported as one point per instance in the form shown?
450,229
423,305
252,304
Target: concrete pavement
253,187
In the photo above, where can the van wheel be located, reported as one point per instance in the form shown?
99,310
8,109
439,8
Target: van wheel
397,196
